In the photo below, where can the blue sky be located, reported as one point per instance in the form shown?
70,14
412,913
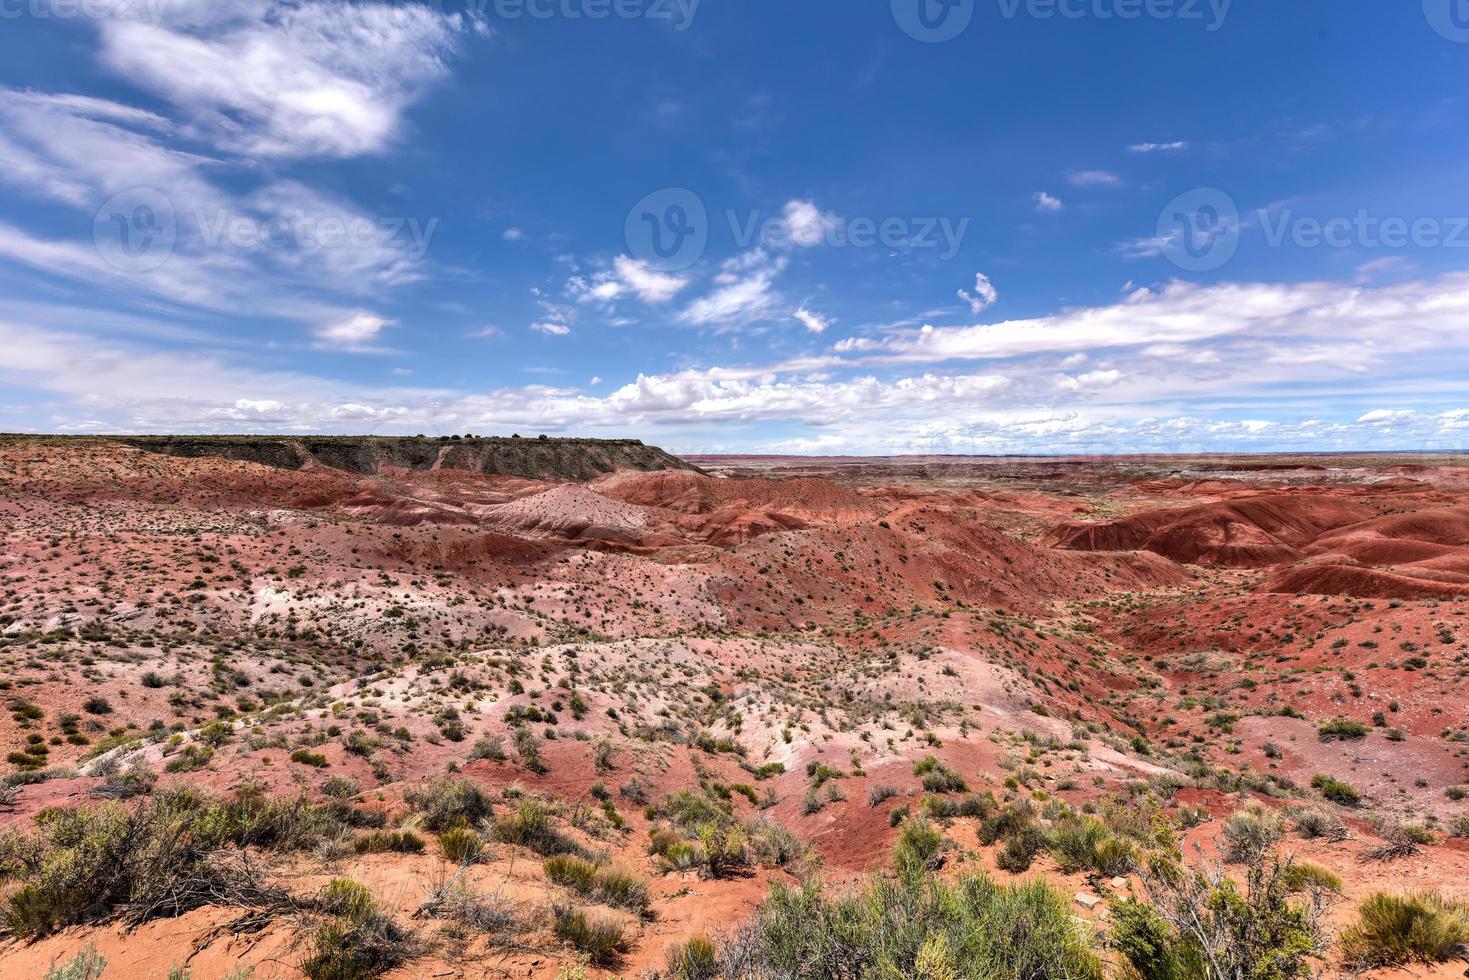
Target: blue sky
766,225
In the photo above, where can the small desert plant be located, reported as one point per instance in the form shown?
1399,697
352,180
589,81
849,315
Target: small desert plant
1393,930
461,845
1336,791
602,940
88,965
381,841
447,802
359,941
490,747
1250,834
695,959
1316,824
1342,730
530,826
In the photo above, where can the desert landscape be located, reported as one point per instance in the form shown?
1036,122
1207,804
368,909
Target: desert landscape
467,707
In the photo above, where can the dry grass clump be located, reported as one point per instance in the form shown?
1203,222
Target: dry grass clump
1392,930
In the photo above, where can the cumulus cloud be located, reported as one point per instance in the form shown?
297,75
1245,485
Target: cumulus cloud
92,380
984,295
627,276
356,333
813,321
1047,202
650,285
807,225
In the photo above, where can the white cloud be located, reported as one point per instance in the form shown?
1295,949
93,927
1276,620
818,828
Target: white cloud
1046,202
356,333
813,321
650,285
298,79
551,328
1173,147
1095,178
746,292
1025,408
806,225
628,275
512,234
984,295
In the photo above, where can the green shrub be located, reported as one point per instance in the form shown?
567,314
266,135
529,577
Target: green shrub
1204,926
152,860
600,939
87,965
1020,850
1342,730
695,959
396,841
571,872
359,942
1336,791
1393,930
1304,875
446,802
461,845
1250,834
918,849
530,826
306,757
1318,824
917,927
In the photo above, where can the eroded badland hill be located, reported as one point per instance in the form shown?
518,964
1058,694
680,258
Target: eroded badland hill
521,707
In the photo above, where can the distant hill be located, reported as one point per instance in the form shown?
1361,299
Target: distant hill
540,458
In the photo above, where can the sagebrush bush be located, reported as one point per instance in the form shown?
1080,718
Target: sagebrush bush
530,826
916,926
446,802
1203,925
153,860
